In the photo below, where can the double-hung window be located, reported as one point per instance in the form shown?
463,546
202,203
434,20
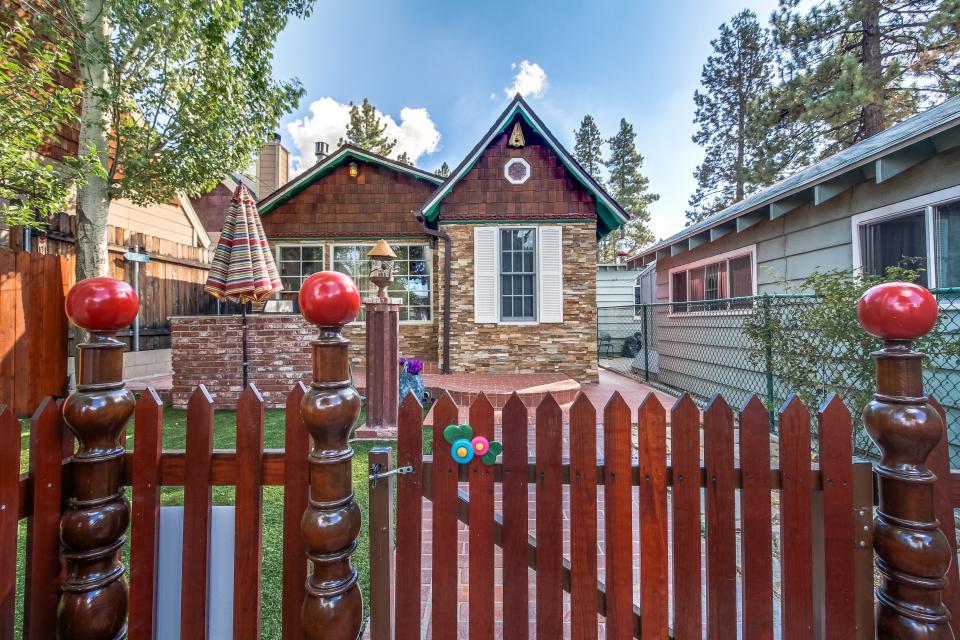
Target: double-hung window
518,275
296,262
714,284
921,234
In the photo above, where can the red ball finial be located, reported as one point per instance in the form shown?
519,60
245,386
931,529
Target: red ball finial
329,298
101,304
897,311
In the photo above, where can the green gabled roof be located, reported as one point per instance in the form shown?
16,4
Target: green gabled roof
610,215
344,154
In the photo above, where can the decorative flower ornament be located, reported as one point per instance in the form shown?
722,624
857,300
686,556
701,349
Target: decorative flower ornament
464,446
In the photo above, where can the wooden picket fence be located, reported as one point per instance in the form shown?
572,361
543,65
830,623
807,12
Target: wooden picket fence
825,518
825,511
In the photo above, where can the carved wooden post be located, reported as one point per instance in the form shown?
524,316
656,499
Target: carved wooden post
93,601
912,554
383,346
332,606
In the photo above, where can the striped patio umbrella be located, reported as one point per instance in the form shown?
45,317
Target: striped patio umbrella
243,269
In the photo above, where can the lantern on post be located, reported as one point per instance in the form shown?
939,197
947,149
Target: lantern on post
383,344
912,553
332,607
93,598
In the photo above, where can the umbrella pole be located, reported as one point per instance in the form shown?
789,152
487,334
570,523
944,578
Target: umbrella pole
244,342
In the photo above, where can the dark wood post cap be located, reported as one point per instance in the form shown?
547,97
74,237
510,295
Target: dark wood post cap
101,304
897,311
329,298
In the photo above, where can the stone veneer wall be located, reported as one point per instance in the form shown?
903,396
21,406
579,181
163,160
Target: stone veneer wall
569,347
208,350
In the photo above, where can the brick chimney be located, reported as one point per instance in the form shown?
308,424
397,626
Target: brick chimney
273,166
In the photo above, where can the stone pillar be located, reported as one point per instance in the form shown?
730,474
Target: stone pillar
911,552
93,599
332,606
383,371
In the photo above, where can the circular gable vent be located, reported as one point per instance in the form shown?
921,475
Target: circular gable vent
516,171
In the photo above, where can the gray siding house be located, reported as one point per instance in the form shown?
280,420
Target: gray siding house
893,199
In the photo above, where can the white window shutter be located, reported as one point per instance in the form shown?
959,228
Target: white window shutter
484,274
550,269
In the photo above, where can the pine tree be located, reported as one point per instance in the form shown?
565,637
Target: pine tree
738,71
587,146
405,158
852,68
630,188
366,131
444,170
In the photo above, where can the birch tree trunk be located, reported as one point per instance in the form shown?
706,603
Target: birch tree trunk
93,199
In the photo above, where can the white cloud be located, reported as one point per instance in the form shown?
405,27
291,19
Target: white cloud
327,122
530,81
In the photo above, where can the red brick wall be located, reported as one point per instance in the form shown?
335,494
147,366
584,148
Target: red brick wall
551,192
208,350
377,203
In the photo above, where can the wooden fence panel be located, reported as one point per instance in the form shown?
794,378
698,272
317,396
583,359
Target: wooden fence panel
145,520
939,464
409,554
296,482
196,516
516,607
583,519
685,458
796,544
654,588
481,528
836,467
720,507
756,537
248,527
44,564
9,514
549,526
618,517
444,544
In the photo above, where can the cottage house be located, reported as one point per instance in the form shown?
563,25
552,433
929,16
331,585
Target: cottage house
496,263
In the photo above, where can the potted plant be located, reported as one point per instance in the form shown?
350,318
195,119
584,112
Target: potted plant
411,380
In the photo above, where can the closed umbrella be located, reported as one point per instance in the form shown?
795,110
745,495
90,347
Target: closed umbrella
243,269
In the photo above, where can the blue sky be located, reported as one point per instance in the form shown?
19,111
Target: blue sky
440,71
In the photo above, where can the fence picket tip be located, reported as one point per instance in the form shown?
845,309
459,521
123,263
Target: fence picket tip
582,403
717,404
410,399
833,403
684,403
511,404
753,403
200,395
149,397
793,404
445,402
4,410
298,387
48,404
614,402
651,402
549,403
481,402
250,394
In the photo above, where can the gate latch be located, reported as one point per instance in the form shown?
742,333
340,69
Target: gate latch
376,473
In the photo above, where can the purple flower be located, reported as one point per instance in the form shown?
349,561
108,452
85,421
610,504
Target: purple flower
403,361
414,367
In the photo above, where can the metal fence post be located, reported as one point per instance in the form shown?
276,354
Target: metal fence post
768,359
646,346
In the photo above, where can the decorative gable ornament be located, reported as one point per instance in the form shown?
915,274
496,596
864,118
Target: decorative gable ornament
516,171
516,137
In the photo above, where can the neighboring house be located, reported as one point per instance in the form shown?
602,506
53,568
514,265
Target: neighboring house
212,206
496,264
621,290
890,200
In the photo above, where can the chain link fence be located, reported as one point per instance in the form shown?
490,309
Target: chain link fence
770,346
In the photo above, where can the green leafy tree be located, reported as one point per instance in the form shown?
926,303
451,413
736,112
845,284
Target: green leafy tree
738,71
631,189
367,131
587,147
34,107
444,170
175,95
852,68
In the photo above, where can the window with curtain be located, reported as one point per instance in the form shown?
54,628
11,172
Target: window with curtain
709,287
412,280
895,242
296,263
518,274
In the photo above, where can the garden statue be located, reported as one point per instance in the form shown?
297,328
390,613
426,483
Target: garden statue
410,379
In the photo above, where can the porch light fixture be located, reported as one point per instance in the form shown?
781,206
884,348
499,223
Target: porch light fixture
354,169
381,267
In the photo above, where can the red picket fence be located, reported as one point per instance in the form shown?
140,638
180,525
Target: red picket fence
685,475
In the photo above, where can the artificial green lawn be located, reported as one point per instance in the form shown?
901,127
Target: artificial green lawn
174,437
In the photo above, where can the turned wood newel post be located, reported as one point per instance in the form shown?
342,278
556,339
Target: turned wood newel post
93,599
332,607
912,554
